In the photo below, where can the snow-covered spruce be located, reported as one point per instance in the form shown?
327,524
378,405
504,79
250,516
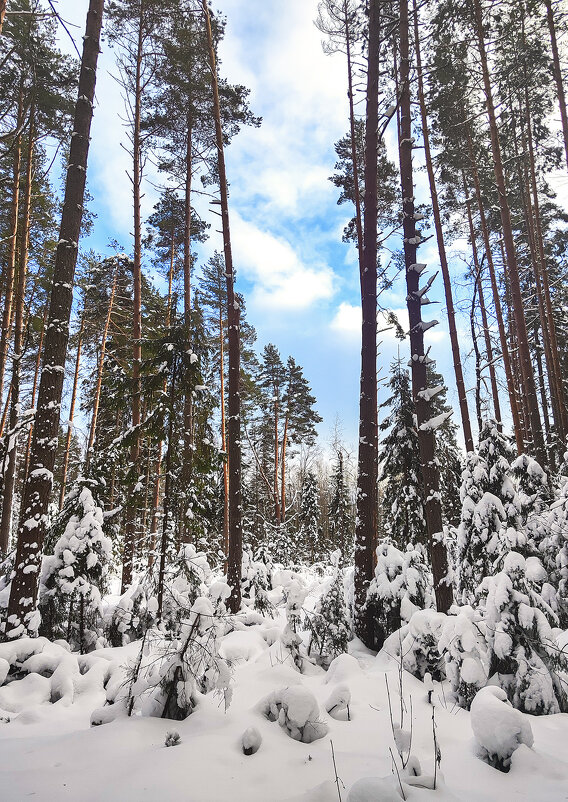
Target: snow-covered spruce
524,659
330,626
74,577
187,579
255,583
490,508
401,586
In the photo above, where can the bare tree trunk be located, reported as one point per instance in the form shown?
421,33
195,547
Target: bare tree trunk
557,70
541,276
2,13
187,466
131,507
419,359
11,458
483,310
22,615
477,354
456,357
224,436
100,368
71,414
233,322
10,269
518,428
167,497
509,244
34,391
367,471
283,470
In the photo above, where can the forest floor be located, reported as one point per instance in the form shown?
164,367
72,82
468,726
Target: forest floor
50,752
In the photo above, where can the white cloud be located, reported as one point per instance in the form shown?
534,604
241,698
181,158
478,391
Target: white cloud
347,320
281,280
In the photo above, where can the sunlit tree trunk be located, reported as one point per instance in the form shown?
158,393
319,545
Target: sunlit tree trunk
233,323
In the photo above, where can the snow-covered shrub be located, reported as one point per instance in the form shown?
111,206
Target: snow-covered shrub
74,577
463,648
295,594
255,583
523,657
186,579
329,624
416,644
169,675
399,588
337,704
497,727
173,738
297,711
135,612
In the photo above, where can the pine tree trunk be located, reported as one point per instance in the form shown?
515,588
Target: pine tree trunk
283,470
100,368
22,616
518,427
456,357
233,322
477,354
367,471
131,506
485,324
71,415
358,216
187,464
224,436
509,245
167,497
419,359
2,13
11,458
34,391
10,268
557,70
544,292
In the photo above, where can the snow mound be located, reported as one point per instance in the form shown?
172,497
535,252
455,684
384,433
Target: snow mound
242,646
498,728
342,668
374,789
297,711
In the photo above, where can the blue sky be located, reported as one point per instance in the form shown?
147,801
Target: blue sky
300,281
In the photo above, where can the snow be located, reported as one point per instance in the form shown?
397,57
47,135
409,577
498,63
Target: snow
498,728
50,751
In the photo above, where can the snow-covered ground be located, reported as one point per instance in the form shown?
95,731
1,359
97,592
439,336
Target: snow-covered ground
49,751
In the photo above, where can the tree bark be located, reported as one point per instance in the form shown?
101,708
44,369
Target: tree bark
518,427
419,359
509,245
233,323
100,368
131,507
22,615
11,458
557,71
456,357
10,268
71,415
34,391
485,324
367,470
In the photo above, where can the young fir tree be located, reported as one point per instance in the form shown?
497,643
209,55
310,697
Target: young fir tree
402,513
489,520
341,522
308,541
75,578
330,625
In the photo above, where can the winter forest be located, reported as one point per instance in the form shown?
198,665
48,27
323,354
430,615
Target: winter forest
283,400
